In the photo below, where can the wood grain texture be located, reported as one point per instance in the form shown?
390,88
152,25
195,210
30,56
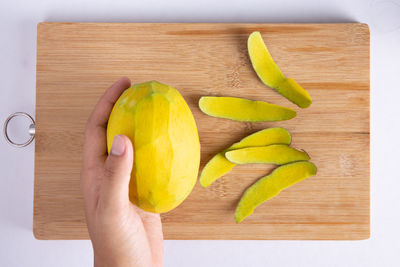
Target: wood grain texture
77,62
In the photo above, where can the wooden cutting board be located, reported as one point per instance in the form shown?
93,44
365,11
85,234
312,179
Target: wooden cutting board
76,62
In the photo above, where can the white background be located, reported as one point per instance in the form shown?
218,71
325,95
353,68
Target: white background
18,19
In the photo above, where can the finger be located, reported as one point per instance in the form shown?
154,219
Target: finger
114,191
95,149
100,114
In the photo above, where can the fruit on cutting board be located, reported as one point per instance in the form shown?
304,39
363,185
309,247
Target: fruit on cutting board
271,185
166,144
270,74
272,154
219,165
240,109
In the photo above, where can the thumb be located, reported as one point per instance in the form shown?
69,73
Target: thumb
117,173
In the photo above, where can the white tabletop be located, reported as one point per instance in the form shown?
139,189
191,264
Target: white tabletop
18,19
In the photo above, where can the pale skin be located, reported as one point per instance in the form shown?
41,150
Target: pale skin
121,233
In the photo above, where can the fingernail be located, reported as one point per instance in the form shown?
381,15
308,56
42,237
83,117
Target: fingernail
118,146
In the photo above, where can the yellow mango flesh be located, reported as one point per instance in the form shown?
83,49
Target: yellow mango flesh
166,144
219,165
270,74
272,154
271,185
240,109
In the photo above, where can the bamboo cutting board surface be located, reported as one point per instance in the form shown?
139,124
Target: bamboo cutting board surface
76,62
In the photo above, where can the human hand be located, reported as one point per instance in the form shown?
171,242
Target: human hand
122,234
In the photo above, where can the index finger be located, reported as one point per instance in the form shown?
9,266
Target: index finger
95,147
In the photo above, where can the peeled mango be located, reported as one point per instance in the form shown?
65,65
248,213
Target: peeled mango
271,185
166,144
270,74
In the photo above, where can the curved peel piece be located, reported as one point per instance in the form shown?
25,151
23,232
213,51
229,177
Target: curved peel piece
219,165
240,109
263,64
272,154
270,74
271,185
290,89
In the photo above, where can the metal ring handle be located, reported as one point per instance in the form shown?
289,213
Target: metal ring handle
31,129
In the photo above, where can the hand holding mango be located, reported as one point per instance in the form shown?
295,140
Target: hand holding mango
121,233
